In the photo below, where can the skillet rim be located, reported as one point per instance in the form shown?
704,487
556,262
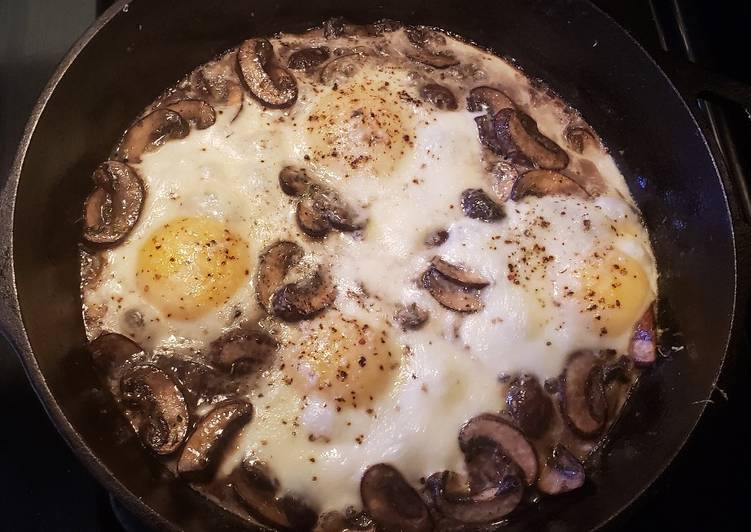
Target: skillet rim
14,330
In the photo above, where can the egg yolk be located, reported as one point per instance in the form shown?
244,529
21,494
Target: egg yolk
360,126
347,362
614,290
189,266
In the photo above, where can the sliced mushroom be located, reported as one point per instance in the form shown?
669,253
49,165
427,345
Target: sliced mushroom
392,502
583,401
334,27
338,522
522,142
341,68
156,408
150,132
450,294
214,85
486,465
199,383
486,133
436,238
242,351
308,58
509,439
257,492
305,298
642,348
476,204
294,181
503,176
488,99
273,266
198,459
488,506
321,210
311,219
111,352
459,273
411,317
197,113
529,406
270,84
541,183
579,137
113,208
439,95
425,42
562,472
385,25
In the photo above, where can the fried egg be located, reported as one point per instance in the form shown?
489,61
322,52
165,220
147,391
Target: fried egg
349,387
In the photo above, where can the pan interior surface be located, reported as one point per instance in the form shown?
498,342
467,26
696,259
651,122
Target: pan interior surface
573,47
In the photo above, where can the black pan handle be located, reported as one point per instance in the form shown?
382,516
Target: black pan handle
701,89
696,82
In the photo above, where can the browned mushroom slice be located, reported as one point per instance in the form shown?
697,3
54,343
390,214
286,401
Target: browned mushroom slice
583,401
385,25
199,383
340,68
308,58
562,472
242,351
488,506
476,204
451,295
488,99
197,113
436,238
486,465
440,96
411,317
212,433
257,493
150,132
273,266
294,181
459,274
529,406
425,42
392,502
579,137
111,352
321,210
156,407
508,438
215,87
338,522
642,347
522,142
439,60
113,208
334,27
305,298
541,183
311,219
486,133
270,84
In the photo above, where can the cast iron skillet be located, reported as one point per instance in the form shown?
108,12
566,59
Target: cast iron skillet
131,54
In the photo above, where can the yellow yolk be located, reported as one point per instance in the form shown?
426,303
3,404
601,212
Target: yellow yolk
614,291
361,125
343,360
190,266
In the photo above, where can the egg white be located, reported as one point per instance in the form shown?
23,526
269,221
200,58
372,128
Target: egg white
450,369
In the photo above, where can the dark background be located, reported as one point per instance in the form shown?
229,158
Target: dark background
45,488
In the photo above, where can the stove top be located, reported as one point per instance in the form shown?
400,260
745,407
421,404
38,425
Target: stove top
45,488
